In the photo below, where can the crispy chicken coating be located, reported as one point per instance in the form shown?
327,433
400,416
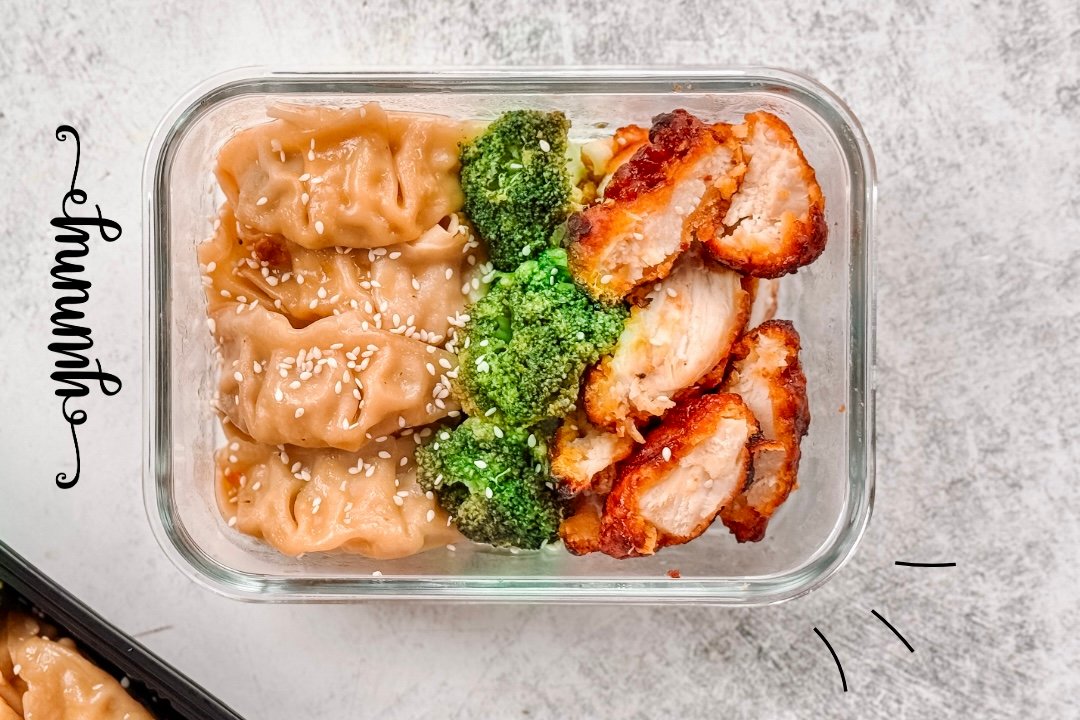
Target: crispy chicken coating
766,373
775,223
677,340
653,199
583,456
671,488
580,530
604,155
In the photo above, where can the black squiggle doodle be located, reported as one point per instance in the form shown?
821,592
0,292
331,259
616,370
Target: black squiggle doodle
894,630
832,652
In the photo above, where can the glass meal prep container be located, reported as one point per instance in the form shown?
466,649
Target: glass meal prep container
830,302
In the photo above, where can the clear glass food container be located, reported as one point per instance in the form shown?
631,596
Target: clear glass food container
830,302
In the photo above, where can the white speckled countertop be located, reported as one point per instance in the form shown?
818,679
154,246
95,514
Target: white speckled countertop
974,115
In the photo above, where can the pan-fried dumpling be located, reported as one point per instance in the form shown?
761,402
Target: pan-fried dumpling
354,177
330,384
301,500
57,681
421,287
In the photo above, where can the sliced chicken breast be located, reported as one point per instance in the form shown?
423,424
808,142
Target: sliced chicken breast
635,234
775,222
671,488
583,456
766,373
678,339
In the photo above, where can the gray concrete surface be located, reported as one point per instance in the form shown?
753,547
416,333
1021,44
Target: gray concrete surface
973,109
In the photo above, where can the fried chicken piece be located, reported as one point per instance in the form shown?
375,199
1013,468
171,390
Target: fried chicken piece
672,487
643,224
583,456
603,156
766,373
764,296
580,531
679,339
775,223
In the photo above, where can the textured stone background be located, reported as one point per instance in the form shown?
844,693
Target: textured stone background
974,114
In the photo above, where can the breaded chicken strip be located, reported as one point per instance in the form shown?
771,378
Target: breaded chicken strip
635,234
580,531
764,296
766,373
679,339
672,487
775,222
583,456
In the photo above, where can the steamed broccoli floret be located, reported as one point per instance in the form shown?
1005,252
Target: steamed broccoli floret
493,482
516,183
529,339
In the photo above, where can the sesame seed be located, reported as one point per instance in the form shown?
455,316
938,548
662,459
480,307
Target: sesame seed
489,412
211,266
384,454
451,548
532,440
394,255
672,292
488,493
430,515
666,452
638,236
299,413
480,464
545,145
319,227
399,501
257,485
232,523
580,335
605,279
376,573
261,201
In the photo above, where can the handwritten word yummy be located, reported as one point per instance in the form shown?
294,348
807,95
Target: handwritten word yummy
73,371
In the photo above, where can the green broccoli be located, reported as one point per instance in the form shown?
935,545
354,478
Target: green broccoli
516,183
493,481
528,341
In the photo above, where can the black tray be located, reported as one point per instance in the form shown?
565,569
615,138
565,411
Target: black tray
166,693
